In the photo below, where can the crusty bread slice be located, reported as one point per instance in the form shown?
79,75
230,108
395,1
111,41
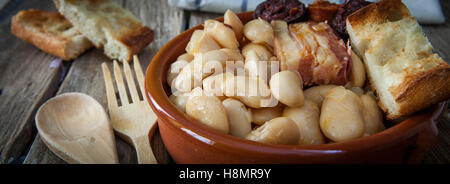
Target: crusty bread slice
401,66
50,32
107,25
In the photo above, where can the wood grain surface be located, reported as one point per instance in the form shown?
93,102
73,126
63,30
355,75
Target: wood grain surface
85,75
197,17
439,36
27,80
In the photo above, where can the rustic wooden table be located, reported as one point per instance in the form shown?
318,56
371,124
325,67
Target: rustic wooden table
27,79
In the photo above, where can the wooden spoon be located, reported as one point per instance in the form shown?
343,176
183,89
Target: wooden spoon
77,129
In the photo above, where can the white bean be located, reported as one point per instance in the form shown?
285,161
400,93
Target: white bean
180,100
317,93
212,84
174,69
261,51
188,78
212,62
255,67
230,18
203,65
286,86
201,42
239,117
213,55
259,31
307,120
210,111
186,57
222,34
373,116
235,67
233,54
280,130
358,73
250,90
198,91
262,115
341,117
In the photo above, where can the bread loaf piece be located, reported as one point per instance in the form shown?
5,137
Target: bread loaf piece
108,26
406,75
50,32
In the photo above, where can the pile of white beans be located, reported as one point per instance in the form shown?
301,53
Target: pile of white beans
252,102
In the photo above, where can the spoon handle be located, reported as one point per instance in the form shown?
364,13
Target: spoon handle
144,151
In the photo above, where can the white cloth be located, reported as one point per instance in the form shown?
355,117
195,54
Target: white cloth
425,11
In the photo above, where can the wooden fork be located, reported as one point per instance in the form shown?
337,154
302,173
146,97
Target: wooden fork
132,120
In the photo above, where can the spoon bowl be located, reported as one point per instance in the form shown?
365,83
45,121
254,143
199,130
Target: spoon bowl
76,128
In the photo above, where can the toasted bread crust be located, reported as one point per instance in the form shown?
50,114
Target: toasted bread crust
416,87
42,40
377,13
137,40
422,90
32,26
116,27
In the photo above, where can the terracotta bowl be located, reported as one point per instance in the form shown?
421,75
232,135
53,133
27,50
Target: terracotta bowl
188,141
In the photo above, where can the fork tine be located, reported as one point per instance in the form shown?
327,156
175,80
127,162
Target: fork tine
130,81
120,84
139,75
110,93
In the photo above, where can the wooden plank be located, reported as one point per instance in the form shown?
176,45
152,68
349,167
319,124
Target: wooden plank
440,153
197,17
439,36
86,75
26,81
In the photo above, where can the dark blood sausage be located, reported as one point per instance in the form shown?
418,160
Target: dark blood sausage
290,11
351,6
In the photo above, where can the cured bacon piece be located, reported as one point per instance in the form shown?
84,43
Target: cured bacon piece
320,56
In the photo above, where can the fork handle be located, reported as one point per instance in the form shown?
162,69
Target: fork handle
144,151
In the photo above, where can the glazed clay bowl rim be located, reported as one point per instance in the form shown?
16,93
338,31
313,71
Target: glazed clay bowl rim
165,110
